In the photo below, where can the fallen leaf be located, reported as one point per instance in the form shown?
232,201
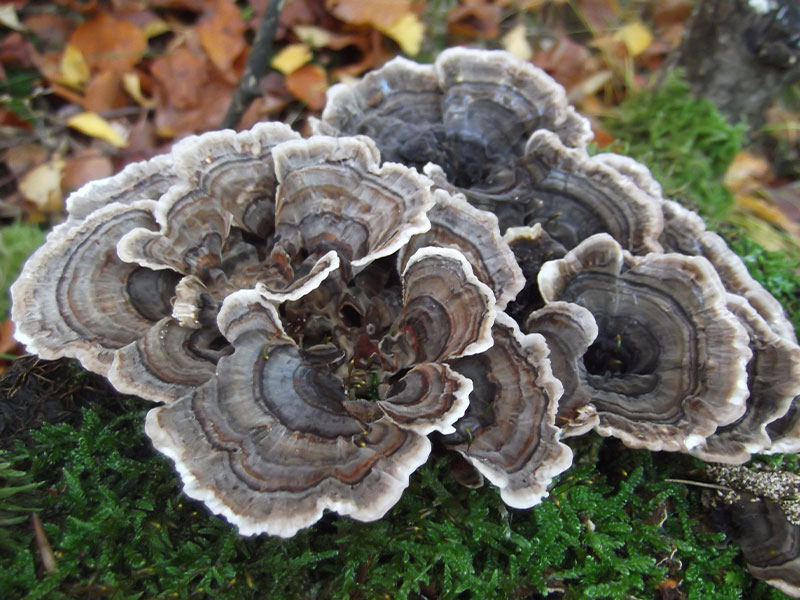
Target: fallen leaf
74,70
7,342
149,22
109,44
211,104
42,186
132,85
96,126
15,48
599,15
24,157
566,60
668,12
221,33
11,119
746,173
291,58
516,42
182,75
380,13
104,93
51,27
636,36
475,20
314,36
602,138
408,31
9,17
309,83
84,166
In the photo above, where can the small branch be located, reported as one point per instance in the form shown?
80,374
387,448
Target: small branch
257,63
710,486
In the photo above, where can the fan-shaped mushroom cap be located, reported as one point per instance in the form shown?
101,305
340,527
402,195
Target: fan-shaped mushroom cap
430,397
268,443
509,431
769,542
168,362
469,106
569,329
335,194
761,513
447,311
76,298
138,181
669,363
238,170
575,196
785,431
456,224
773,382
685,232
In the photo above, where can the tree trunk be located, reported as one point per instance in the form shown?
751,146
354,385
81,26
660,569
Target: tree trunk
741,54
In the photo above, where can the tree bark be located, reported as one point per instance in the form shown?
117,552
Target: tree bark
741,54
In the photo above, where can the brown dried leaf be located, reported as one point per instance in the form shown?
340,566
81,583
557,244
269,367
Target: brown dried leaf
747,173
51,27
221,32
84,166
181,77
8,344
104,93
308,84
476,20
380,13
108,44
24,157
567,61
16,49
600,15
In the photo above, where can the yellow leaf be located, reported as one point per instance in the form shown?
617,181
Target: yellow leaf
42,186
96,126
314,36
74,70
516,42
155,27
9,18
408,32
636,37
133,87
291,58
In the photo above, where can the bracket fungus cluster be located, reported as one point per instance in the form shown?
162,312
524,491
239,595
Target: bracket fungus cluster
443,260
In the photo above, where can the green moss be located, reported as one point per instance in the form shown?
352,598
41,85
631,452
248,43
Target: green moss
17,243
120,528
686,142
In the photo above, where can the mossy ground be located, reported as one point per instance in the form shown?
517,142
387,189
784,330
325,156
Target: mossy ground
613,526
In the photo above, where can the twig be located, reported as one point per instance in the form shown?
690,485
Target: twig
711,486
260,55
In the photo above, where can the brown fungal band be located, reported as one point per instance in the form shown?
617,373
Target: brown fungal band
311,310
668,365
299,306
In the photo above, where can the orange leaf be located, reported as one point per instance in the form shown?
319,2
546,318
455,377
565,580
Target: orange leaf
182,75
308,83
84,166
108,44
381,13
103,93
221,32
